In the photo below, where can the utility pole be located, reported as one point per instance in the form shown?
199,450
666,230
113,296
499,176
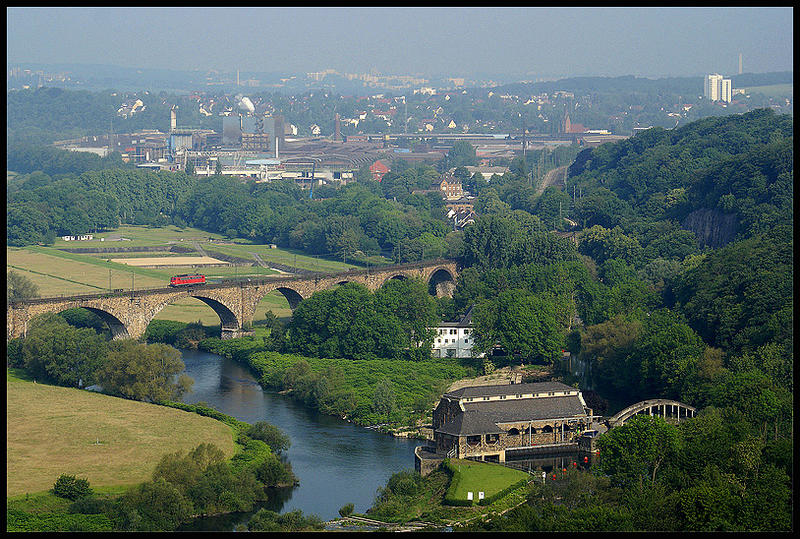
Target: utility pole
524,139
405,104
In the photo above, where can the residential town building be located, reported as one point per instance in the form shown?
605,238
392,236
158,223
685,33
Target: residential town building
455,339
717,88
487,171
450,186
378,170
460,204
462,218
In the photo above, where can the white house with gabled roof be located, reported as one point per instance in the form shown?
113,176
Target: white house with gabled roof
455,339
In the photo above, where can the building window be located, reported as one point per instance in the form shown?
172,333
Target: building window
486,398
492,438
466,332
473,440
502,396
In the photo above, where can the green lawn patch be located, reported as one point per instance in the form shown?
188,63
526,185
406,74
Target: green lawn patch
491,479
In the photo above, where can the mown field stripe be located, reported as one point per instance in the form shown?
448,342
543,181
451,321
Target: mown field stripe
99,262
56,277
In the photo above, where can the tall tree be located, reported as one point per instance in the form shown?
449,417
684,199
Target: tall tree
53,350
144,372
19,287
409,301
635,452
521,323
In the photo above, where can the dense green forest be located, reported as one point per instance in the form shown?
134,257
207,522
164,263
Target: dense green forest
357,217
707,320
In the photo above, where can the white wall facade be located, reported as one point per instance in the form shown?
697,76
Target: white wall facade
725,90
453,342
711,87
717,88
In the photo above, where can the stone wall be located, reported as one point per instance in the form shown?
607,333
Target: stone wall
426,461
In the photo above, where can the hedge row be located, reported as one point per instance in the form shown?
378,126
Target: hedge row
455,479
238,426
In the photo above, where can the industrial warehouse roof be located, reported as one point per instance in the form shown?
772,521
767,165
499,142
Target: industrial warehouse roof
508,389
263,162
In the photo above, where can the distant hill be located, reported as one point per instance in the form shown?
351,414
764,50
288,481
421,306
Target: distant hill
631,84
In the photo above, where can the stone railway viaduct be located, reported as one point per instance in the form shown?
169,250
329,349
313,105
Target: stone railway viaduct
128,313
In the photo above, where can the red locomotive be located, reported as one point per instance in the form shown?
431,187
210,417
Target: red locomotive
183,280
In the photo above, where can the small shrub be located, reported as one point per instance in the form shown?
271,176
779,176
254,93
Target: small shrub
71,488
89,505
346,510
269,434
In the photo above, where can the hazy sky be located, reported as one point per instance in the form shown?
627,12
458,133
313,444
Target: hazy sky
540,42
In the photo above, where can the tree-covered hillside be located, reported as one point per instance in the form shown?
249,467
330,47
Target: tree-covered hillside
731,164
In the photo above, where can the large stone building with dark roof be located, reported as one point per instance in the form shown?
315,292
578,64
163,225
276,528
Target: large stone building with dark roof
494,422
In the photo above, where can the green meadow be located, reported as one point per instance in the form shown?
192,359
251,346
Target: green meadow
112,442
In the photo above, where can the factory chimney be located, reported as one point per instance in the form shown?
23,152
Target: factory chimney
337,129
276,146
173,120
740,63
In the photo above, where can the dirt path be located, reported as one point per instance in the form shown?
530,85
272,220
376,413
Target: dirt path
551,178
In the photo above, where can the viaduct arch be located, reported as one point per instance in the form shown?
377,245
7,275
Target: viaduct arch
128,313
666,408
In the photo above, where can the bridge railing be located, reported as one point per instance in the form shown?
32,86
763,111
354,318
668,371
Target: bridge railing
630,411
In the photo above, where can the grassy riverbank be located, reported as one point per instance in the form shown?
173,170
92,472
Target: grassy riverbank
110,441
392,393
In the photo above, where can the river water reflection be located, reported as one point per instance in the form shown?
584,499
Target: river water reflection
335,461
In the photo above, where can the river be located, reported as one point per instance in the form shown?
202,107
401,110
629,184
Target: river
335,461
